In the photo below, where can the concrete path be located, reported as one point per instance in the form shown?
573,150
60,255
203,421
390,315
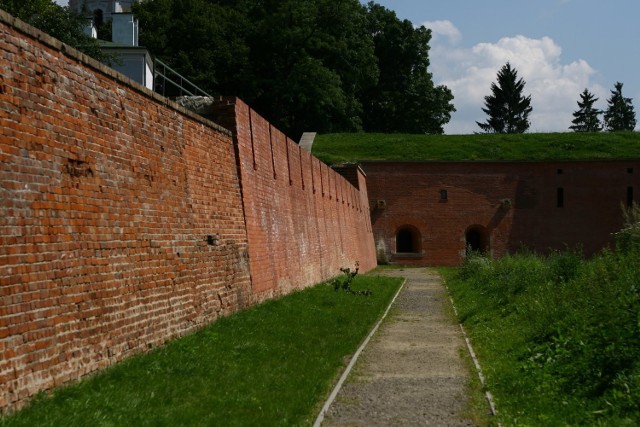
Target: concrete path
411,372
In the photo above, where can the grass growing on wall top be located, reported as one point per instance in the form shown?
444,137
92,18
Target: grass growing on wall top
336,148
268,365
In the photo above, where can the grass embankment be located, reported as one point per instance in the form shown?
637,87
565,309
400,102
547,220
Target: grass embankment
268,365
337,148
558,337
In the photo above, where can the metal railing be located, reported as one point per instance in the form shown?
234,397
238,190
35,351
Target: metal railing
168,82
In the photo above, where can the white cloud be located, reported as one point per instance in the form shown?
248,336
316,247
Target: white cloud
554,87
443,29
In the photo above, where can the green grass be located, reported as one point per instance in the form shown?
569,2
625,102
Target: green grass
558,337
268,365
477,409
337,148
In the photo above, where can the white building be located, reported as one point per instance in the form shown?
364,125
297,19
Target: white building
101,10
132,60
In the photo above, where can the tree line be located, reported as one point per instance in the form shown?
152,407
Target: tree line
508,109
321,65
315,65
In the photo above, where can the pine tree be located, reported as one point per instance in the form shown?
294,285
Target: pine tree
620,115
507,108
586,118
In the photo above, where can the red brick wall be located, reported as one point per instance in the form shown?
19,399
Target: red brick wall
304,220
121,222
122,216
593,192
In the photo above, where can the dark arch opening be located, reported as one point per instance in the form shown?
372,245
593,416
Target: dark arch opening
407,240
98,18
476,240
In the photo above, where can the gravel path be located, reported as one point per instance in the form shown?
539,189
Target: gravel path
411,372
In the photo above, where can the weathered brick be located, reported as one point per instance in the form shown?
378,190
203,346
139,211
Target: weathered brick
119,209
511,204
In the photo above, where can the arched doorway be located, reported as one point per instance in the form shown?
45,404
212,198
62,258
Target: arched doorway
408,240
476,239
98,18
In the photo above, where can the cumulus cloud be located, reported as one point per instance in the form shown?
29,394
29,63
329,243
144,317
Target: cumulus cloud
443,29
554,86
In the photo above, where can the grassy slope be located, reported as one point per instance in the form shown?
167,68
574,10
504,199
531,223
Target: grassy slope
267,365
558,337
336,148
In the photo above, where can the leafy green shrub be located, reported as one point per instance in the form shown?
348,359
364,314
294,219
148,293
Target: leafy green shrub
565,265
628,239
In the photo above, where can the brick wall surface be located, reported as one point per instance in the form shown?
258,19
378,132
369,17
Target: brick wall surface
304,220
122,219
121,222
513,204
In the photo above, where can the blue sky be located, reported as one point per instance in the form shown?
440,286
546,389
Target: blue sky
559,47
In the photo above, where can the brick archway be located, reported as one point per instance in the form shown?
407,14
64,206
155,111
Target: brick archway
476,239
408,240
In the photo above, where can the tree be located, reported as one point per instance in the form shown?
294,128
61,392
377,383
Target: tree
57,21
310,62
302,65
202,40
405,98
322,65
586,118
619,115
507,108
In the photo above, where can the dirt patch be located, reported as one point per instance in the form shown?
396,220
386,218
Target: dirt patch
412,372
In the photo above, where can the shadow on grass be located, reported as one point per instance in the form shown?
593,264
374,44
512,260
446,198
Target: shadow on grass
267,365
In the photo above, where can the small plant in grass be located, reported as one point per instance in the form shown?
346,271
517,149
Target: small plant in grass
344,282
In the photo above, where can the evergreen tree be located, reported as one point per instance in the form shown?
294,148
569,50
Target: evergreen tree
620,115
507,108
586,118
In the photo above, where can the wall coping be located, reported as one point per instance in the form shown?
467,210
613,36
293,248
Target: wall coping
84,59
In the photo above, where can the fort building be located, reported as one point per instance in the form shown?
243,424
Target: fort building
127,220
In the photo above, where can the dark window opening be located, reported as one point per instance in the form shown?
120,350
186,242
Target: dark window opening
444,195
560,197
408,240
476,240
560,171
404,241
629,170
629,196
98,18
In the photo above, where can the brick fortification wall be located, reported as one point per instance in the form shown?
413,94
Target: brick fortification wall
539,205
122,221
306,220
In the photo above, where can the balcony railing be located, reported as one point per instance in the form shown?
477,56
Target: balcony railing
168,82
